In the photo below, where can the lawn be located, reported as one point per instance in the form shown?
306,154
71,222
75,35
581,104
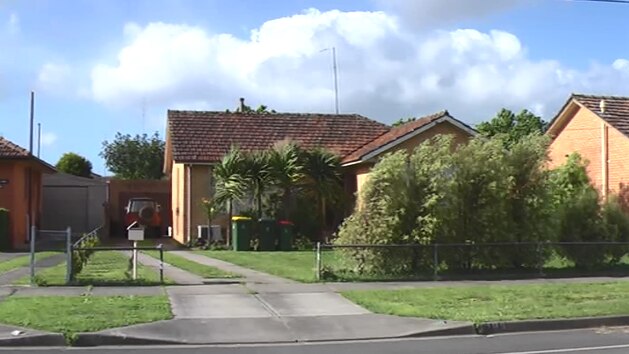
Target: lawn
83,313
296,265
500,303
103,268
191,266
22,261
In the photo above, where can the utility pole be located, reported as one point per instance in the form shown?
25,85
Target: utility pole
336,81
38,139
29,188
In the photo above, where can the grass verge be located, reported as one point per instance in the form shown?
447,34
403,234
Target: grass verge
71,315
191,266
500,303
104,268
22,261
296,265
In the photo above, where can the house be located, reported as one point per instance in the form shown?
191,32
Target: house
597,127
196,140
21,189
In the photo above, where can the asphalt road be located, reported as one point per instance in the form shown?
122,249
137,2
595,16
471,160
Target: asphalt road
604,341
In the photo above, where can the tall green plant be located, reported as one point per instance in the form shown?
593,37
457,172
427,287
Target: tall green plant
231,183
287,170
257,173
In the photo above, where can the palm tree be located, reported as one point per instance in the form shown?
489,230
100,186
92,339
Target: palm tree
258,175
231,183
287,171
322,179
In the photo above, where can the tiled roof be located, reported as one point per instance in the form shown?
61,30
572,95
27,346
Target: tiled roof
198,136
392,135
616,109
11,150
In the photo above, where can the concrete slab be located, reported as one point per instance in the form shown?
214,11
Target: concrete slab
127,291
218,306
28,337
207,331
207,289
311,304
288,288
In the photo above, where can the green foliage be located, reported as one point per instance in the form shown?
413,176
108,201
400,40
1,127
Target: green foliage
616,224
137,157
82,256
74,164
403,121
514,127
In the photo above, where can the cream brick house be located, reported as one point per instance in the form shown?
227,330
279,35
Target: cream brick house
197,140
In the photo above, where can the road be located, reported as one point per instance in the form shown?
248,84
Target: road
604,341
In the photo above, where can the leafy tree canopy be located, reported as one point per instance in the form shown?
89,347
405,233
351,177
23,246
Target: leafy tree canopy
135,157
75,164
514,126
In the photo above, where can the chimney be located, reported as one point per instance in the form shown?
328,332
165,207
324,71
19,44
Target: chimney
602,106
242,104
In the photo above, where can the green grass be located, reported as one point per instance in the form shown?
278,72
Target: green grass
191,266
296,265
500,303
103,268
82,313
23,261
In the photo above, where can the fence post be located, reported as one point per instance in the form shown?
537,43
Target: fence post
68,255
435,260
33,231
540,259
161,263
318,260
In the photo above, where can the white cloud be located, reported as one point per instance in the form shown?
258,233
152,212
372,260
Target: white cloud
48,138
386,69
55,78
13,24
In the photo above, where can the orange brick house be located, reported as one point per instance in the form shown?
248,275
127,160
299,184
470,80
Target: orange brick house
597,127
197,140
21,176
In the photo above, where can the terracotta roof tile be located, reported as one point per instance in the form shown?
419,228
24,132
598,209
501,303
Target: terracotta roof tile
616,109
392,135
198,136
11,150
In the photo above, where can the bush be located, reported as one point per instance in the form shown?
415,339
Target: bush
616,224
81,257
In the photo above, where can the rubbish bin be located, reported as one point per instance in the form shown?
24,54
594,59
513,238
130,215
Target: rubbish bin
241,233
5,241
286,235
267,235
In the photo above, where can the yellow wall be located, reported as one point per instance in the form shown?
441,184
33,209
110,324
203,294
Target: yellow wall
201,179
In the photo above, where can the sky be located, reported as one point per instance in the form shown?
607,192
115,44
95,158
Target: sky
99,67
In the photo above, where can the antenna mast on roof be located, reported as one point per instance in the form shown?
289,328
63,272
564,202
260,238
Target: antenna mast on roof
336,81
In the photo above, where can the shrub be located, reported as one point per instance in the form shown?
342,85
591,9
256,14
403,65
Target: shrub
81,257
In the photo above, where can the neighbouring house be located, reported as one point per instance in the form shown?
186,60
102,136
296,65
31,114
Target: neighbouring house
21,189
597,127
196,140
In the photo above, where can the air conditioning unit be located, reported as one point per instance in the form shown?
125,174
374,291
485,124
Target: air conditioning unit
203,232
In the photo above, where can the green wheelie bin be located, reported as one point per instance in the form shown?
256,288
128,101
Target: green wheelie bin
267,232
242,229
286,232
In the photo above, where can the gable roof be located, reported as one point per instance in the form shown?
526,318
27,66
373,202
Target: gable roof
197,136
616,110
401,133
11,150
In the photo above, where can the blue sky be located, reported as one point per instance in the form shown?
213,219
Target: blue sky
103,66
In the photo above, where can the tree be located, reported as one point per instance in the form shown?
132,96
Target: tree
514,126
74,164
257,174
231,183
322,179
287,170
403,121
137,157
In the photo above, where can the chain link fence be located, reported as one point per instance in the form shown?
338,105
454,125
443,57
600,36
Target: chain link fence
470,260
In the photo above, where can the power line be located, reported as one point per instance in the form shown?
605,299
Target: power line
604,1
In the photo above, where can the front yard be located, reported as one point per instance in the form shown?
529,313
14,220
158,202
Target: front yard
190,266
22,261
103,268
71,315
500,303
